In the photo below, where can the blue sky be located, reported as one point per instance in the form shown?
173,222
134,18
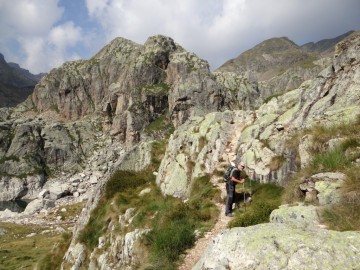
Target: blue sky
42,34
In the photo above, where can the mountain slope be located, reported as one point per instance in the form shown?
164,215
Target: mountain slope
278,65
268,59
16,84
325,47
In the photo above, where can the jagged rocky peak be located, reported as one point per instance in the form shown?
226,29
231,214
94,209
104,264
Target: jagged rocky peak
123,79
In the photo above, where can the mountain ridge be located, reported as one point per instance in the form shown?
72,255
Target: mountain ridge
16,83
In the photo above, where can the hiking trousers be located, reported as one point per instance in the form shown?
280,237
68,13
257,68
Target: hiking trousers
230,195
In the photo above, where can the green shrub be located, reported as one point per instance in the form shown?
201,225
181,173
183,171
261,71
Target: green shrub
157,153
350,143
342,217
12,158
171,239
266,198
258,212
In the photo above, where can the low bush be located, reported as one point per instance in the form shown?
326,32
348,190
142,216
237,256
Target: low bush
266,198
258,212
169,240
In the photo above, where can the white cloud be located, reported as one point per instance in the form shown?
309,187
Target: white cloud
29,17
31,26
65,35
40,34
220,30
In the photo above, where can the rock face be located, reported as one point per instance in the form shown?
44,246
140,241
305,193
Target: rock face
132,85
262,134
33,148
197,147
280,246
119,91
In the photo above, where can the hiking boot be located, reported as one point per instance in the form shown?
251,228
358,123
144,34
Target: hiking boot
229,214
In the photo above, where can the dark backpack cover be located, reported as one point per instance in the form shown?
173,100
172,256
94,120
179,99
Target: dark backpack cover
227,174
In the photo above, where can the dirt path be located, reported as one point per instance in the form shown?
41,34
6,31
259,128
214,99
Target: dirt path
194,254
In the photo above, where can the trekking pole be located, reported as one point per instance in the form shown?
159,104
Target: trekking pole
244,194
252,174
250,187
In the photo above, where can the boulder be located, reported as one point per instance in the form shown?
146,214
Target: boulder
43,194
323,188
300,216
57,189
12,188
280,246
38,204
6,214
137,158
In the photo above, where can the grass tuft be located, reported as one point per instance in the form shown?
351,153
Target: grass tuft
331,160
266,198
345,215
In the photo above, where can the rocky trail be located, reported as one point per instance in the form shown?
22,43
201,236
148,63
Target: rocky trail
194,254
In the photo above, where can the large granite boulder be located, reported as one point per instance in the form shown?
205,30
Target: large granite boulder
300,216
280,246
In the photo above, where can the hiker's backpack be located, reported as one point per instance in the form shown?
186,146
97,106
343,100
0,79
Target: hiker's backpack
227,174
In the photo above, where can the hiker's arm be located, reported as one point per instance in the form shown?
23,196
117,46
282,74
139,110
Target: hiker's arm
237,181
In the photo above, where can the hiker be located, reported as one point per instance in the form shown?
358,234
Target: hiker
237,175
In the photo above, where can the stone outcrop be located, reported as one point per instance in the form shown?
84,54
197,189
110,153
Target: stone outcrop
299,216
196,148
280,246
322,188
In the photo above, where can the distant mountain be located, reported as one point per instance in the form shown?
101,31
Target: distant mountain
268,59
16,83
277,65
326,46
273,56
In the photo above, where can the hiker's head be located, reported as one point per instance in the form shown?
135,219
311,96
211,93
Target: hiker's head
241,165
